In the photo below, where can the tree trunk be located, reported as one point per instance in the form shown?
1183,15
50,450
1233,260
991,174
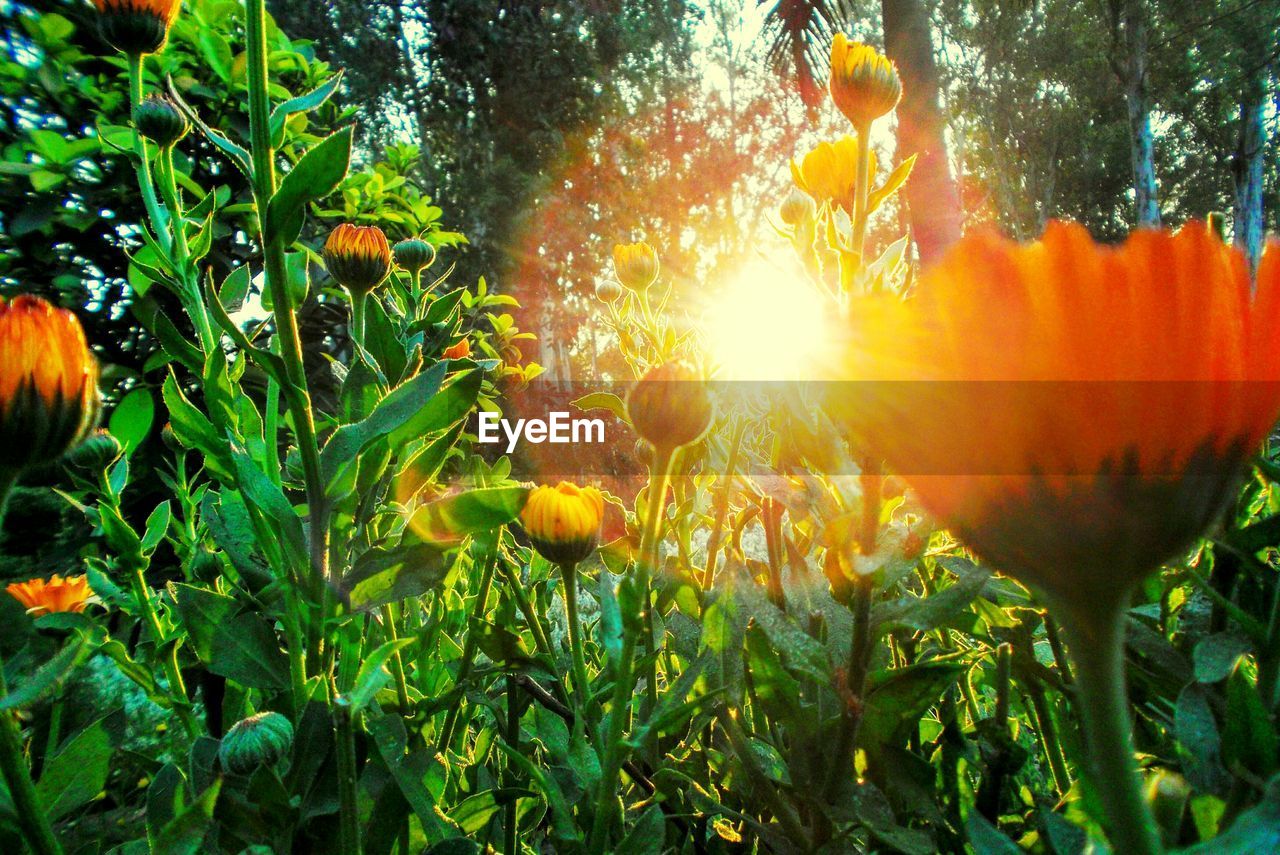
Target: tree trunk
931,194
1129,40
1246,167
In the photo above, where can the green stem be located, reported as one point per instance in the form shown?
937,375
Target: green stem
358,301
659,476
389,617
469,646
177,688
348,810
581,686
509,830
158,220
297,398
1097,636
181,253
862,189
842,759
1049,736
13,765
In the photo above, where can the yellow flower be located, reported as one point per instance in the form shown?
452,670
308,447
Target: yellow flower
864,83
1077,413
48,382
669,406
636,265
359,257
829,173
563,522
136,26
59,594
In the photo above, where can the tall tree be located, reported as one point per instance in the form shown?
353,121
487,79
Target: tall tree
932,201
1129,26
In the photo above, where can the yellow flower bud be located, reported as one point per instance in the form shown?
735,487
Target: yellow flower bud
607,290
636,265
136,27
563,522
669,406
864,83
797,208
357,256
48,382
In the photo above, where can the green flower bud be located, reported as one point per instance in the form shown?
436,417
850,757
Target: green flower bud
414,254
159,120
261,739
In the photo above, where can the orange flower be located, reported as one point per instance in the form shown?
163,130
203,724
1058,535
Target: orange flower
1078,414
59,594
829,173
864,83
359,257
136,26
563,522
461,350
48,382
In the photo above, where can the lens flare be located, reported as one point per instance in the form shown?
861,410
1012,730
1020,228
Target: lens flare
767,324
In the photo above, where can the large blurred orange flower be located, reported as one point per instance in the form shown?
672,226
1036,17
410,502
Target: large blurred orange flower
1077,413
48,382
58,594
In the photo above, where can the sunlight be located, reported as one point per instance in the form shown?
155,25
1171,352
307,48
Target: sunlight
767,324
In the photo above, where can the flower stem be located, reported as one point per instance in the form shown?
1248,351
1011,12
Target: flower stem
581,687
1097,636
17,775
359,299
297,397
194,301
140,146
348,780
469,646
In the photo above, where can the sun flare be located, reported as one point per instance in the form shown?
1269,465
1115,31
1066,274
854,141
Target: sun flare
767,324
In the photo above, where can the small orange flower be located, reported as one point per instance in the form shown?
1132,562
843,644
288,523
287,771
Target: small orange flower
1077,413
461,350
58,594
359,257
136,27
48,382
864,83
829,173
563,522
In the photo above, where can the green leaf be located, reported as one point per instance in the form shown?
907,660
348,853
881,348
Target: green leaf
157,527
603,401
987,839
202,611
50,676
267,496
373,674
245,649
648,835
195,431
185,833
315,176
449,405
301,104
77,773
422,468
382,576
394,411
132,419
1248,733
450,519
896,699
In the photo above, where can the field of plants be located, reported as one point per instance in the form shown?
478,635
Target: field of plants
985,562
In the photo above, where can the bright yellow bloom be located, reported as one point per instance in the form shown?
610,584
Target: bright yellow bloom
58,594
563,522
48,382
136,26
636,265
1077,413
359,257
864,82
829,173
669,406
